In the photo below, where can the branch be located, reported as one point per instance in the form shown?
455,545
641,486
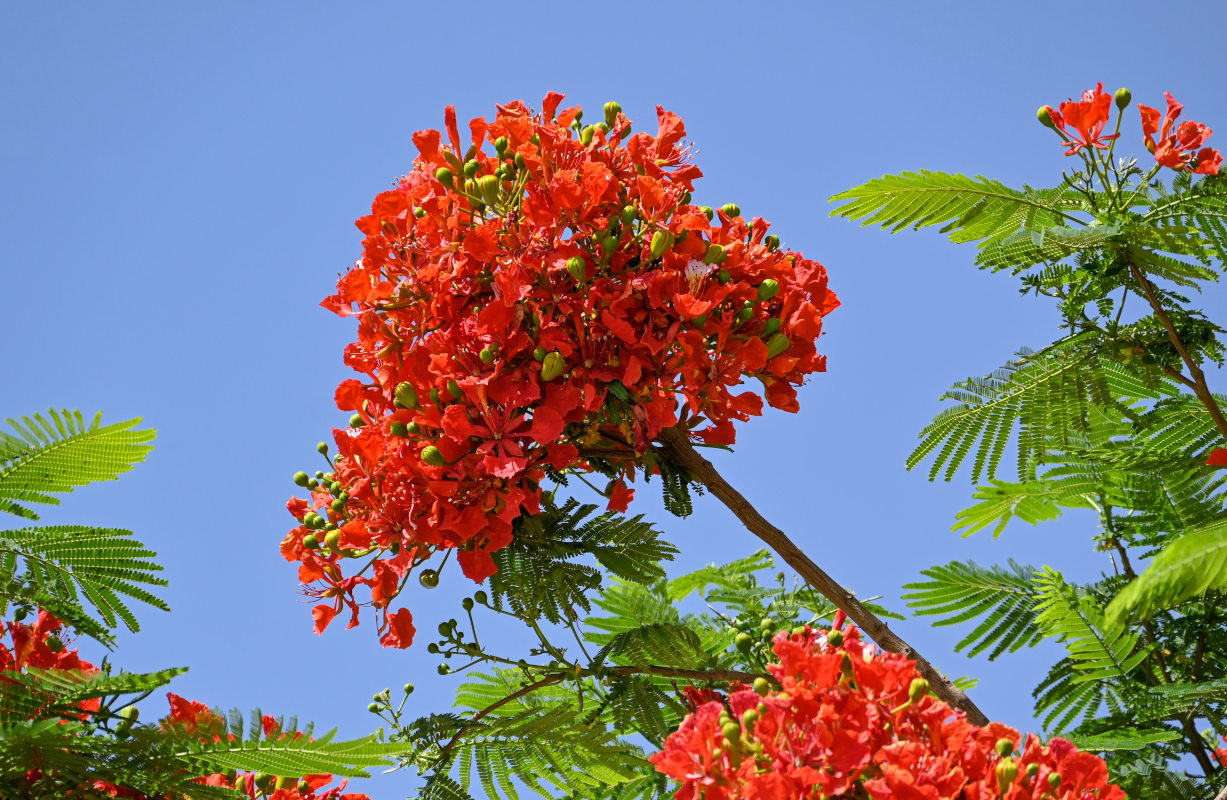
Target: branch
1198,378
678,447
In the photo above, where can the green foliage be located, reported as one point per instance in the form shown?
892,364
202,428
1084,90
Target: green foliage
1184,569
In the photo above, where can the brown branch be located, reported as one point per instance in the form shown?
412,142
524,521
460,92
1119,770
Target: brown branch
679,449
1198,378
713,675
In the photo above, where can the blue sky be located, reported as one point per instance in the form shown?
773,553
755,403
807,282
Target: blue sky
179,184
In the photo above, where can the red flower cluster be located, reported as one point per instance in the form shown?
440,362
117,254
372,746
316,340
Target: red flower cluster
1179,148
555,302
1087,116
851,722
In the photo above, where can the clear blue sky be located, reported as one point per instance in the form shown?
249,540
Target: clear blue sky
179,183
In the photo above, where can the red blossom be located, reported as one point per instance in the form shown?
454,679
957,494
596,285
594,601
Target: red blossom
1087,116
558,297
850,721
1180,148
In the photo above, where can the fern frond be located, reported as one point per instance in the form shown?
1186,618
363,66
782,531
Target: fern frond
43,456
1025,247
1124,739
1006,600
1063,698
1098,648
1032,502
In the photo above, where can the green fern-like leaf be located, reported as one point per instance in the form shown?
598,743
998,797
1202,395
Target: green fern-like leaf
1098,648
58,452
1004,600
1185,568
1124,739
1032,502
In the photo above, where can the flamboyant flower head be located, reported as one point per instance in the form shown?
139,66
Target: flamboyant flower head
537,295
852,722
1178,147
1087,118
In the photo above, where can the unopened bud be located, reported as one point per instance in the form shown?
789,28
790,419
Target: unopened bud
575,266
628,215
445,176
552,366
1044,115
432,456
130,713
1004,747
612,110
731,209
772,241
453,389
768,289
835,638
585,136
301,478
777,344
539,354
489,188
470,168
762,686
918,689
660,243
1123,96
333,539
322,448
708,212
429,578
1007,771
399,430
1054,779
771,326
500,145
486,355
714,254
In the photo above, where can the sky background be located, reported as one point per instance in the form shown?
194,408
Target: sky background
178,184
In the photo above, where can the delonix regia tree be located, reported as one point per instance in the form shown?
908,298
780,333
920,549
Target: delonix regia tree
69,728
540,303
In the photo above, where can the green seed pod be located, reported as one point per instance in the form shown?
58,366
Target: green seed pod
539,354
481,597
660,243
835,637
130,713
432,456
399,429
612,110
762,686
375,708
429,578
714,254
771,326
744,642
500,145
322,448
552,366
1007,771
768,289
777,344
772,241
486,356
1123,96
310,541
356,421
453,389
301,478
470,168
628,215
731,209
446,177
575,266
918,688
333,539
1004,748
489,188
467,604
1044,115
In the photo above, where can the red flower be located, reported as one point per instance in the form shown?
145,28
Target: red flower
554,301
1181,148
1218,457
1087,116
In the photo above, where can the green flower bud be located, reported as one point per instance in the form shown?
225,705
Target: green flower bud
1044,115
470,168
406,396
744,642
749,716
413,428
446,177
453,389
708,212
575,266
303,787
743,316
539,354
767,625
489,188
519,161
434,395
724,276
408,688
310,541
771,326
319,473
762,686
375,708
552,366
535,139
130,713
481,597
1004,747
432,648
432,456
123,730
1033,770
772,241
714,254
612,110
628,215
1123,96
399,429
768,289
264,781
467,604
835,637
917,689
1054,779
337,505
585,136
700,320
443,669
731,209
333,539
731,731
356,421
1007,771
301,478
429,578
322,447
777,344
660,243
419,212
313,483
486,356
500,145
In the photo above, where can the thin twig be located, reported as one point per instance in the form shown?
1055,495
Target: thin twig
679,449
